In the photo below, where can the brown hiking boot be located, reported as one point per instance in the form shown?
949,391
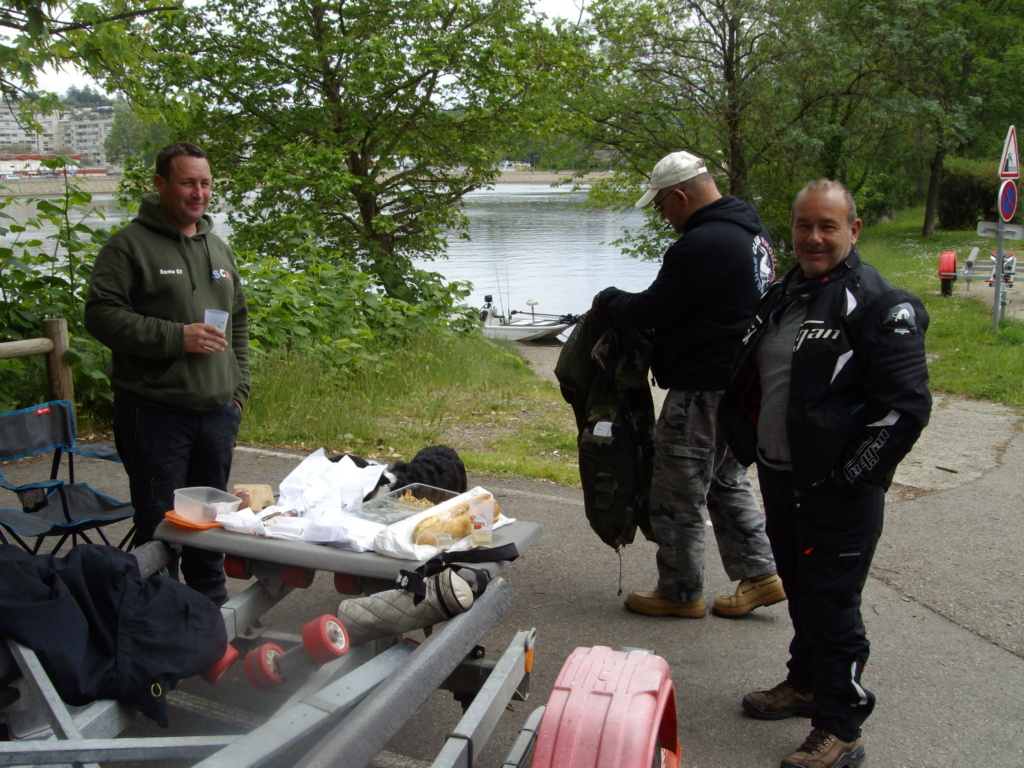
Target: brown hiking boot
650,602
778,703
750,594
823,750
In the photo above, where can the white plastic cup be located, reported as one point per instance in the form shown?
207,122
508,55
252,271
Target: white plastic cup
481,513
442,542
217,318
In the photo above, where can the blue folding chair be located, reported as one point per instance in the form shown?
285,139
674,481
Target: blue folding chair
54,507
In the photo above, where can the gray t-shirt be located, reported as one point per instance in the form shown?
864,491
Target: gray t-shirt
774,357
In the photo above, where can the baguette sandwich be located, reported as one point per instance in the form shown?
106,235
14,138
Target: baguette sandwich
455,520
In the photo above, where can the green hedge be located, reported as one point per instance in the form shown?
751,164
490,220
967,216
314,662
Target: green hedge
969,192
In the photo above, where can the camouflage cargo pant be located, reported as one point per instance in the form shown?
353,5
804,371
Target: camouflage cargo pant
696,476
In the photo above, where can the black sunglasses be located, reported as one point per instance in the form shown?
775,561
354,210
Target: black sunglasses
659,205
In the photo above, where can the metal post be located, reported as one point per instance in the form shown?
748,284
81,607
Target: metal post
997,276
58,372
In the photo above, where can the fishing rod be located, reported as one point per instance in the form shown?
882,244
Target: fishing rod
562,318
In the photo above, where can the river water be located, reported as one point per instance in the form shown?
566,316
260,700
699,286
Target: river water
528,242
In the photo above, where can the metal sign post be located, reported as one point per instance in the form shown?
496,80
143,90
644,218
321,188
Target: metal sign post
1002,231
997,277
1009,169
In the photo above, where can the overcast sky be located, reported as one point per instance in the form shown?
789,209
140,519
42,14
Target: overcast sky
59,82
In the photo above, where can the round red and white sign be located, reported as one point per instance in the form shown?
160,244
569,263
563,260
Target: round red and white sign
1008,200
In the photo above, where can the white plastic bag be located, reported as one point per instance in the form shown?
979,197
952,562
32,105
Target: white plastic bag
342,530
315,486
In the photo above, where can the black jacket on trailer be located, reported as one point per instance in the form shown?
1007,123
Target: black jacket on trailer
603,376
101,631
858,396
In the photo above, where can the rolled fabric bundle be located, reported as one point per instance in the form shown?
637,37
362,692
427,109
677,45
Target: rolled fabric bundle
394,611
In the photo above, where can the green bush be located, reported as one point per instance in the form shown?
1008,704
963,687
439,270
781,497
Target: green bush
883,195
46,277
968,193
303,299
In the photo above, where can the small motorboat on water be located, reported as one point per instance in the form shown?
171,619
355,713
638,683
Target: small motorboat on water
528,326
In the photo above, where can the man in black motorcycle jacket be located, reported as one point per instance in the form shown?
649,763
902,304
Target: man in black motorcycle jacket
828,395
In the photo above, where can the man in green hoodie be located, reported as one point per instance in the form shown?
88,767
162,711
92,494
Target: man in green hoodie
179,382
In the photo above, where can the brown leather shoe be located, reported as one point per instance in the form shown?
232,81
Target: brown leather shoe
750,594
778,703
650,602
821,749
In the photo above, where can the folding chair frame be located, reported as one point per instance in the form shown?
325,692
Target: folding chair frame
69,508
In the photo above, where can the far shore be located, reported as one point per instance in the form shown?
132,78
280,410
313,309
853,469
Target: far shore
108,185
548,177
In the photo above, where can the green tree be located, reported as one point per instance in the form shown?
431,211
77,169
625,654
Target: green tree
131,135
703,75
86,96
735,81
875,93
98,38
938,76
348,119
973,79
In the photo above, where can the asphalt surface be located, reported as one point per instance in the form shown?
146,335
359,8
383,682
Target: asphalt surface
943,609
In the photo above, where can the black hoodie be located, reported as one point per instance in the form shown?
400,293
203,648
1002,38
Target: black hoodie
704,296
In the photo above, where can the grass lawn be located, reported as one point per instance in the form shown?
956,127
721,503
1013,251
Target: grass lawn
482,399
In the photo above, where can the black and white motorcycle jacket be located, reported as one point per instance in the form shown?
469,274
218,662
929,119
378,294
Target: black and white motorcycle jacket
858,396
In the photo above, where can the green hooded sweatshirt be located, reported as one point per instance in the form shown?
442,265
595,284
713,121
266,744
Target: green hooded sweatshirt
148,282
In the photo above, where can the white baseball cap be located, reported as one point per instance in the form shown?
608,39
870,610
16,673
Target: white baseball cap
671,170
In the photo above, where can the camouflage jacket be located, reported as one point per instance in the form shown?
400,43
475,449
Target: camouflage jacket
602,373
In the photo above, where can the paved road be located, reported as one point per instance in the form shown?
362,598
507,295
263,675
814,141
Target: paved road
943,610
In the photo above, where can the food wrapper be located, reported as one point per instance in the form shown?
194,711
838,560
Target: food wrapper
316,484
396,540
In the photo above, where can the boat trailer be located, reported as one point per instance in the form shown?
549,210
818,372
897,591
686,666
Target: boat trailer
614,709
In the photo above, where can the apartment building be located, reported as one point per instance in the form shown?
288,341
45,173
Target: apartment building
85,134
80,132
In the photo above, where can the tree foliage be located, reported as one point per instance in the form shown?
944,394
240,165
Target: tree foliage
87,96
98,38
970,193
135,135
704,75
773,94
362,123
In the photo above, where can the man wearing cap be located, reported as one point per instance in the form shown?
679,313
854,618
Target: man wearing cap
699,305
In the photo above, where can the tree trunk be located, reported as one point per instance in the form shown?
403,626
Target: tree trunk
734,109
934,180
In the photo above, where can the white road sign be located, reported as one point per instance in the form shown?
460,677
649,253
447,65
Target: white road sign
1010,231
1009,166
